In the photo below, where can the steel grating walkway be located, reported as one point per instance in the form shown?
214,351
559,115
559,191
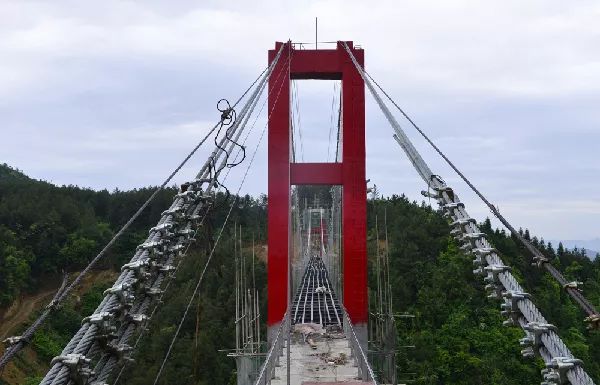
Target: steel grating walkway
315,301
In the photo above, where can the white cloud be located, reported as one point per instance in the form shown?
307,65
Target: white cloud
90,94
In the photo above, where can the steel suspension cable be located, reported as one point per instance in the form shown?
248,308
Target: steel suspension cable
160,299
541,337
63,293
161,242
243,120
200,279
538,258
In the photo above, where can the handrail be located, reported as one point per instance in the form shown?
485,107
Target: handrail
365,371
267,369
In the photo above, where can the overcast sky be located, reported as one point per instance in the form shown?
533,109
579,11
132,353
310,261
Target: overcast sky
114,94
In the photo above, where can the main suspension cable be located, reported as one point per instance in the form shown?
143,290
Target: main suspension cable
158,253
538,258
200,279
540,336
62,294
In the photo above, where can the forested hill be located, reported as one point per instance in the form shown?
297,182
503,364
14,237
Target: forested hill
456,333
45,229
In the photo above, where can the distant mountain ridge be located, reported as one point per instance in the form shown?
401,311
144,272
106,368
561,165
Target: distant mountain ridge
591,246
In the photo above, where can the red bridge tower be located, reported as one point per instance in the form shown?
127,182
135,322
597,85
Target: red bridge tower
326,64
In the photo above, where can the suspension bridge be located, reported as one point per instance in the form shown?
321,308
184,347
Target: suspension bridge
318,327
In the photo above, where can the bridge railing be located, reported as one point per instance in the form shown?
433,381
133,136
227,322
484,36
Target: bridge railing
267,370
365,370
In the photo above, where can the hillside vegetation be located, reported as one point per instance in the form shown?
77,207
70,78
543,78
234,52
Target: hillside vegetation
457,331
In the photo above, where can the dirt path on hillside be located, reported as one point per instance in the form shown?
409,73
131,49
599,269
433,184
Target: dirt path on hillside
20,311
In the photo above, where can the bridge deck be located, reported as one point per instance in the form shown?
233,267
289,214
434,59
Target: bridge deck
330,362
315,301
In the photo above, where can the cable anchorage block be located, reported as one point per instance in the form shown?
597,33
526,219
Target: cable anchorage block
551,377
197,184
78,365
556,370
167,269
444,189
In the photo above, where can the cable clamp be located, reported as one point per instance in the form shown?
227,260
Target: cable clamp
186,232
120,351
539,260
78,365
556,370
153,247
188,196
153,292
575,285
429,194
453,206
10,341
175,212
178,249
479,261
462,222
473,236
467,247
136,318
483,251
510,308
163,228
123,293
104,321
533,340
494,286
593,322
138,268
456,232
